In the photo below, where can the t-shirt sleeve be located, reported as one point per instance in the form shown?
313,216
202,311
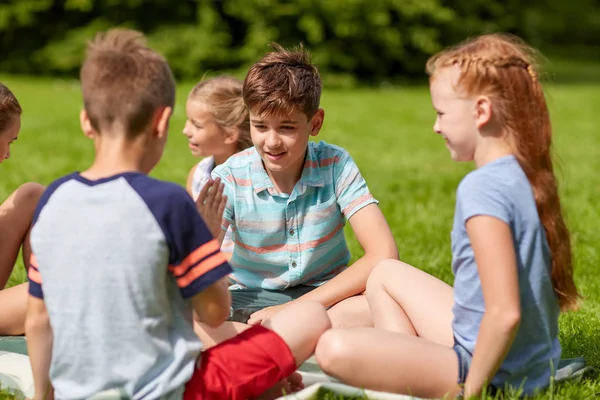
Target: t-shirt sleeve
229,191
35,279
478,195
351,189
33,271
195,258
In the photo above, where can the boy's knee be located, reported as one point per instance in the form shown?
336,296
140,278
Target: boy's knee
331,349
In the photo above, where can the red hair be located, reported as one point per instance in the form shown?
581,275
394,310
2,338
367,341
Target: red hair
502,68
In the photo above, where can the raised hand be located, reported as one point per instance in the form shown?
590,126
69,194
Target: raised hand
211,203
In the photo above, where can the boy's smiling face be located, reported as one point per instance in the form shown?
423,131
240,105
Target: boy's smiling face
281,141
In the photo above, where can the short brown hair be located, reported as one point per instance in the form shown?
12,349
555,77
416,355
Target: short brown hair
9,107
222,97
124,82
282,81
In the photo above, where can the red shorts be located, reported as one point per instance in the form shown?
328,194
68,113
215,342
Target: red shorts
242,367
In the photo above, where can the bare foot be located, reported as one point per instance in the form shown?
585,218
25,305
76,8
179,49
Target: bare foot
291,384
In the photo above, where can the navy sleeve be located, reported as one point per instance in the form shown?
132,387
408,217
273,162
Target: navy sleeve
195,258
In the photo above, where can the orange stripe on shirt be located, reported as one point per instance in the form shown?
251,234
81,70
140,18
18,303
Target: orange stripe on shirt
195,256
275,248
34,275
328,161
315,243
201,269
356,202
239,181
322,163
311,164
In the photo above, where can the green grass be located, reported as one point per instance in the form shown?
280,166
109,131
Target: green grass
407,167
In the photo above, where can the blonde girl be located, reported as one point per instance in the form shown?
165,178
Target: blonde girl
217,127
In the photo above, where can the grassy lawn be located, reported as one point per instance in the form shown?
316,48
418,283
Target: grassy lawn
407,167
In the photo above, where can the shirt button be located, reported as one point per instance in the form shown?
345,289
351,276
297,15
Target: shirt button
294,265
292,231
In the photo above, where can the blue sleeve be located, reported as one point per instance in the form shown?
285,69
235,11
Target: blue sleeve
478,195
351,188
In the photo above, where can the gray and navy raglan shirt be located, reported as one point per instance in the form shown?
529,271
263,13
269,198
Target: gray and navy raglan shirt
116,261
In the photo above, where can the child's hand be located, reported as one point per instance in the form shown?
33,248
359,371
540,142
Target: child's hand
262,315
211,203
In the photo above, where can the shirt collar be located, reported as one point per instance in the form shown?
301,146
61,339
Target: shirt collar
311,173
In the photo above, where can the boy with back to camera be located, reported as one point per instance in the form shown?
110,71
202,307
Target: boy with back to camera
125,259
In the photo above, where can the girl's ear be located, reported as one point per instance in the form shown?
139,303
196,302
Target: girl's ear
231,135
483,111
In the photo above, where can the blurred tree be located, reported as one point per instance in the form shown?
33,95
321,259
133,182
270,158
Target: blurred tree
367,40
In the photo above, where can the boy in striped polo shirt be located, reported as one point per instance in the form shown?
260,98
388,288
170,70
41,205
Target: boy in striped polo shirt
288,200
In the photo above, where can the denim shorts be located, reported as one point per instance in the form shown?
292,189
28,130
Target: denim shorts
464,364
244,302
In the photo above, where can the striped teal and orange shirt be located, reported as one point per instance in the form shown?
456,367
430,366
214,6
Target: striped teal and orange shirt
283,240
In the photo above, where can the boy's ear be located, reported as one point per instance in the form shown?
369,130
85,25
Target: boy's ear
316,122
483,111
161,119
86,124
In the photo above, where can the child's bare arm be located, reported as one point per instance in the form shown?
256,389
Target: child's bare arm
375,237
212,304
494,252
39,346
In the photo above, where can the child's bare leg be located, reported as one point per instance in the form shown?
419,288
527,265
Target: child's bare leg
407,300
300,325
16,214
353,312
13,303
212,336
387,361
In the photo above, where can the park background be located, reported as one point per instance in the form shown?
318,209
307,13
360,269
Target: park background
371,54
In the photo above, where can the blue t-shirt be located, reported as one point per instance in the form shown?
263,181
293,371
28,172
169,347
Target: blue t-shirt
116,261
500,189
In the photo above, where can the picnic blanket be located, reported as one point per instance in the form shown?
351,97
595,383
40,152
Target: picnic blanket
15,374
